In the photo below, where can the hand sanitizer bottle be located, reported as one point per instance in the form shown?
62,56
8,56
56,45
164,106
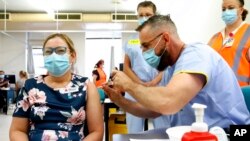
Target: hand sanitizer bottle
199,129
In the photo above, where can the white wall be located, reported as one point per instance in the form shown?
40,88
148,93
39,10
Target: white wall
196,20
79,43
12,53
247,6
103,45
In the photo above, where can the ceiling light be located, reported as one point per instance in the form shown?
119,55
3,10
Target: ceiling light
116,1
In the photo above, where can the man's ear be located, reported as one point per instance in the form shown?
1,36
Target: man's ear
166,37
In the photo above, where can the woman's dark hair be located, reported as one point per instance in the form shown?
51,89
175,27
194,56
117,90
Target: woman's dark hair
245,12
100,62
68,41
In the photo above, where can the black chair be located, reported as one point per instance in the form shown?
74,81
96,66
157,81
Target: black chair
3,100
155,131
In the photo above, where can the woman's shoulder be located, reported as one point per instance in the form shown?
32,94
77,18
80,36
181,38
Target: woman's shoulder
79,77
37,79
95,70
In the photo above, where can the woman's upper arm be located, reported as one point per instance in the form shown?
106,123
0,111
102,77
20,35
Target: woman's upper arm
20,124
94,109
19,129
94,77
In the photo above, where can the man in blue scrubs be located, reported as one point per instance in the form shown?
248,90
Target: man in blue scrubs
197,74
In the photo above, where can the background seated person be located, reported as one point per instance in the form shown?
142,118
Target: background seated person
4,83
20,82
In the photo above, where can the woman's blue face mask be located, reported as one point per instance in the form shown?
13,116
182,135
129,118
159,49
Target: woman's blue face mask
57,65
229,16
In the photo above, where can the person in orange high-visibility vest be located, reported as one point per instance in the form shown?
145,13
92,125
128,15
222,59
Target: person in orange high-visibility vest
99,78
233,42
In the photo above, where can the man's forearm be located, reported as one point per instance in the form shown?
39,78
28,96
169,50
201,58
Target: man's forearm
150,97
135,108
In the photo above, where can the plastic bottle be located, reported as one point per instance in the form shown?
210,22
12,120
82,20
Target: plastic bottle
199,129
219,133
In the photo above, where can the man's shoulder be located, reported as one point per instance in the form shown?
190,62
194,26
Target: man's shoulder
196,45
195,51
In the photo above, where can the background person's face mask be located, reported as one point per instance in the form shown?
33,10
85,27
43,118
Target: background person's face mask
229,16
56,64
2,76
141,20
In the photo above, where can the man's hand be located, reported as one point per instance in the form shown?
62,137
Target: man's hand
121,81
113,93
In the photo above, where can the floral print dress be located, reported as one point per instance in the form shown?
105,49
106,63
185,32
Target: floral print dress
54,114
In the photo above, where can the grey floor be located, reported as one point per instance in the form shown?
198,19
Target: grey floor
4,126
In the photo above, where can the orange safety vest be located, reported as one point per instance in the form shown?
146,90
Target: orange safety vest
102,77
235,55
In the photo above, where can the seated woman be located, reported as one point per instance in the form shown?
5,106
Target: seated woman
4,83
58,105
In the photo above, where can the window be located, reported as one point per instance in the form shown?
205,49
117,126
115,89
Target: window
97,49
38,60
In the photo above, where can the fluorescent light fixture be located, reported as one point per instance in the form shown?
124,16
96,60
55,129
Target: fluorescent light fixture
50,12
103,34
103,26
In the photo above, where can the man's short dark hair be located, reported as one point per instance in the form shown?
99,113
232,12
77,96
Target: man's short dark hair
155,20
147,4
